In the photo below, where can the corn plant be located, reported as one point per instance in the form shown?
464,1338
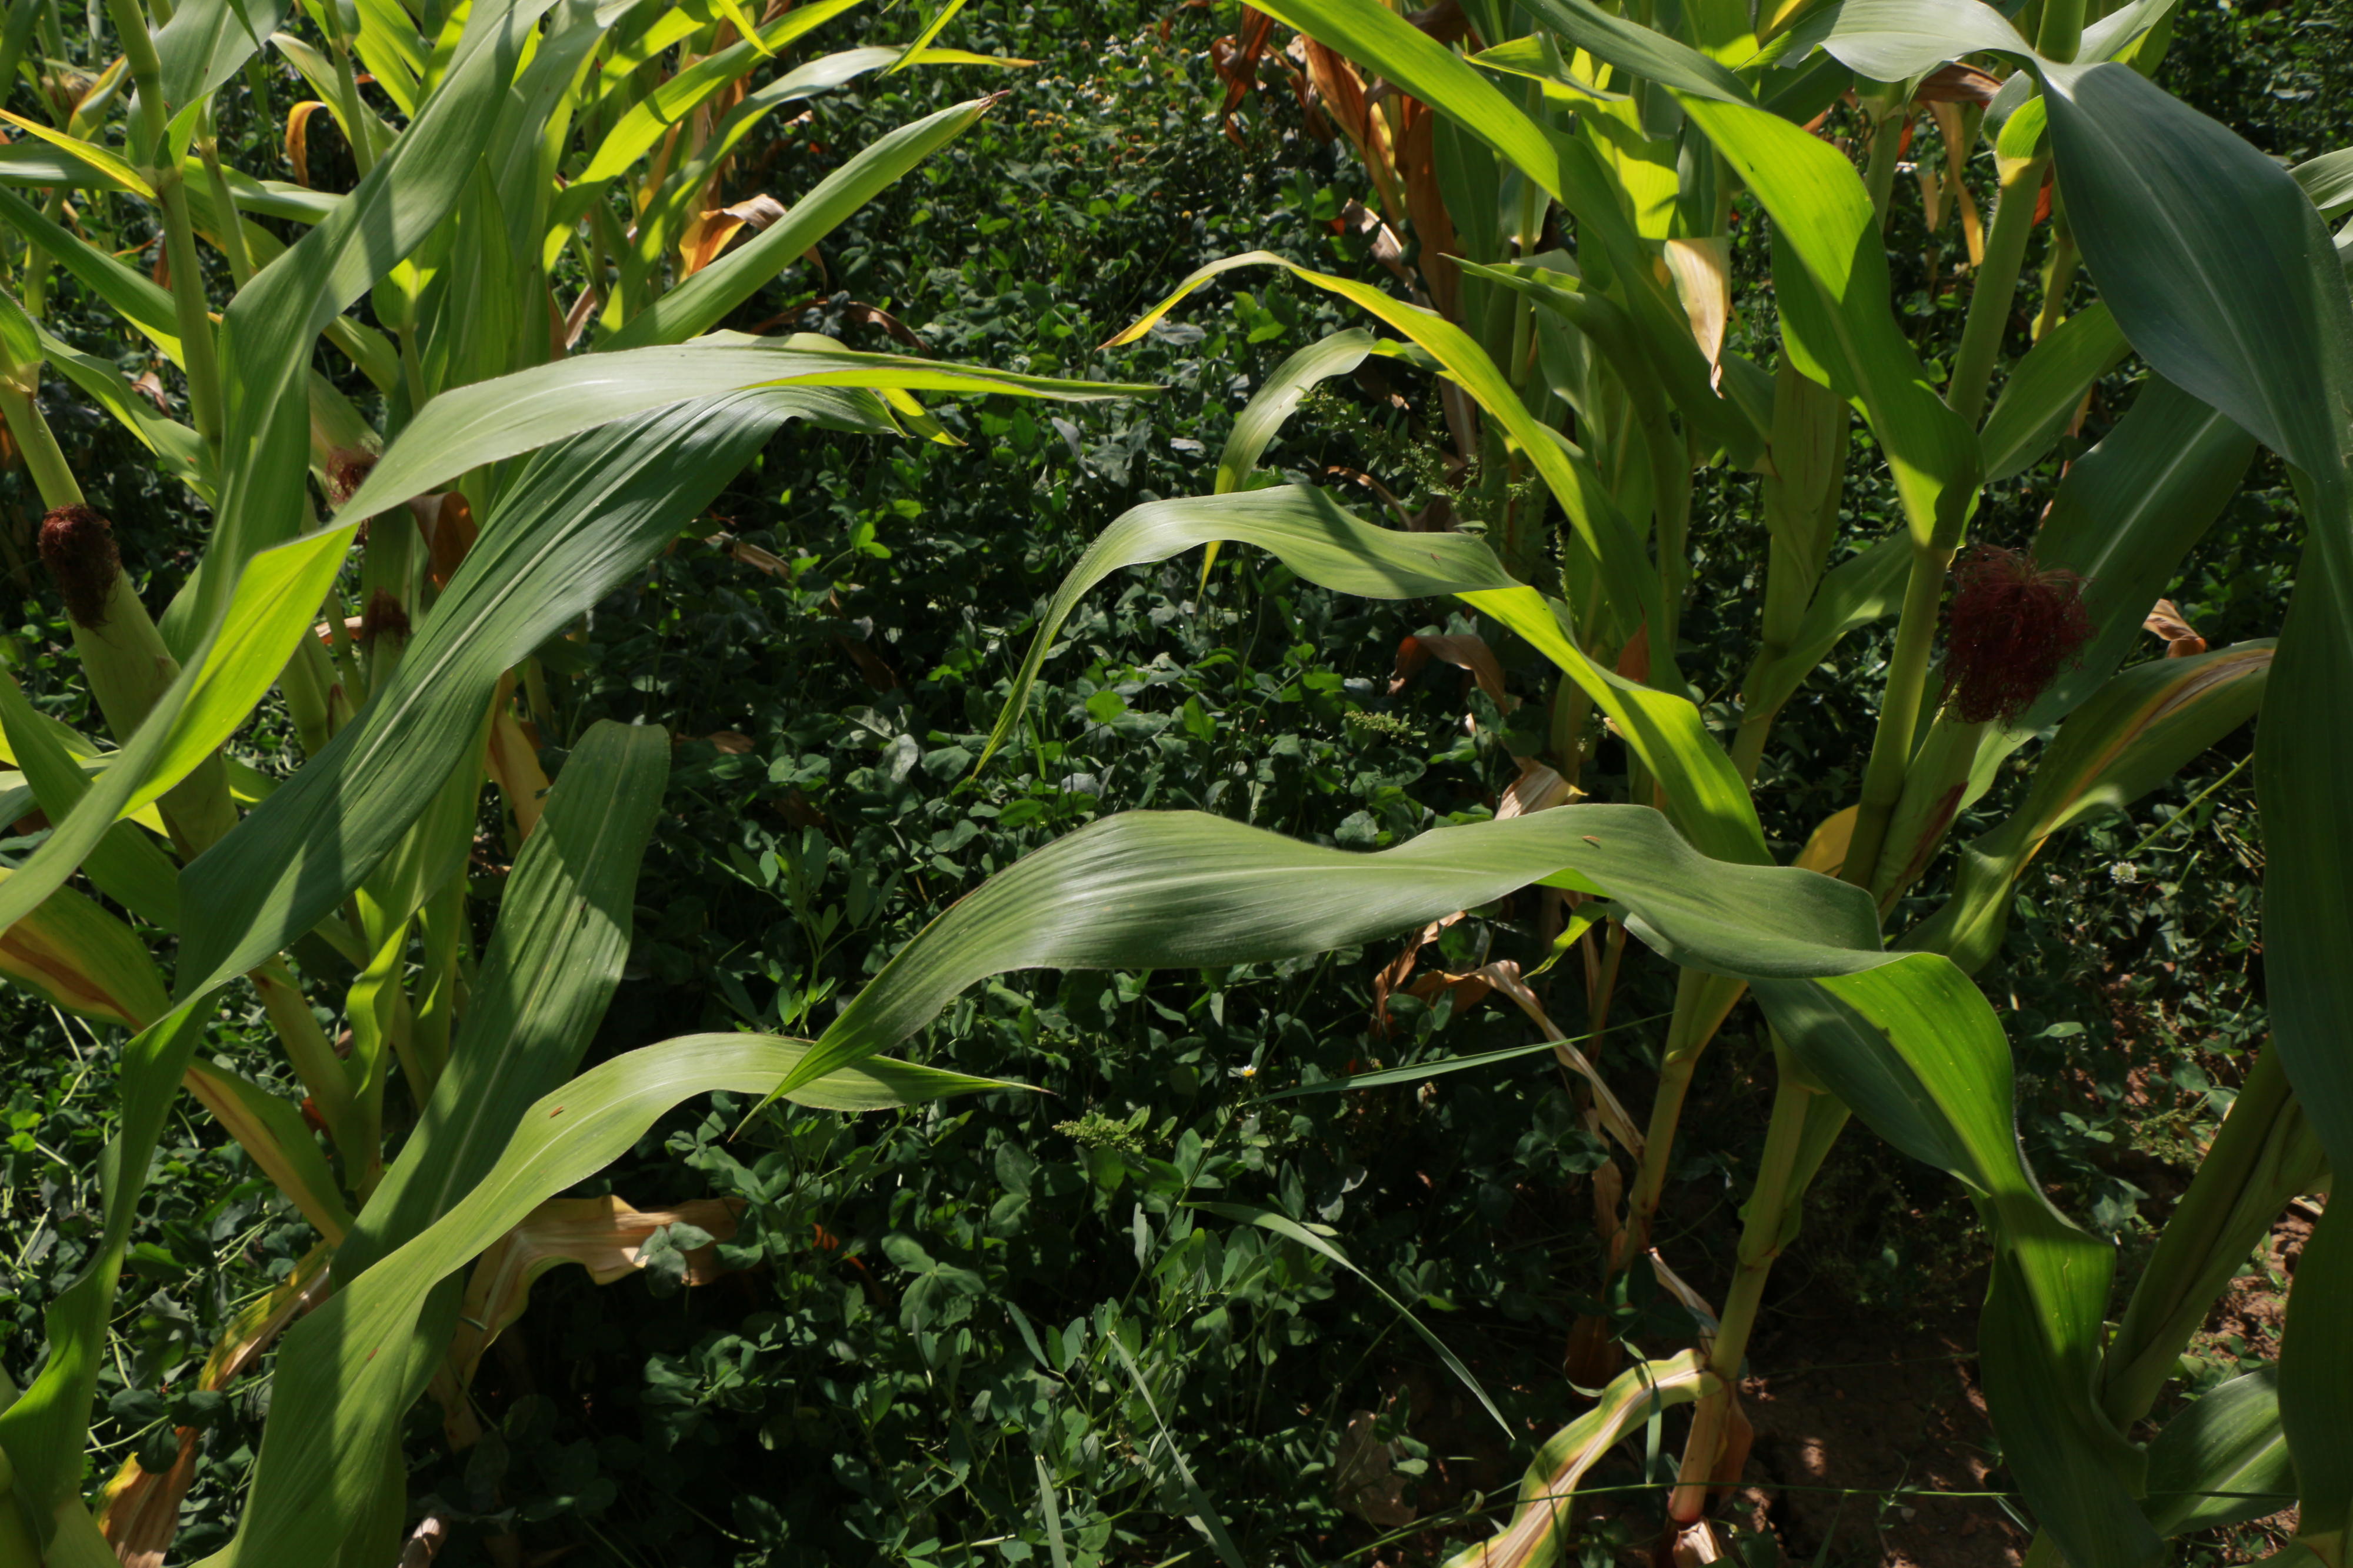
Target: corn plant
536,402
1600,371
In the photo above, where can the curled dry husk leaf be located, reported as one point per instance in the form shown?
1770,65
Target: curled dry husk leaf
604,1236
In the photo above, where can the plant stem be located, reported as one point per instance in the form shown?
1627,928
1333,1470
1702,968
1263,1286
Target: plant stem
2264,1154
232,236
1702,1001
2061,33
324,1078
1995,286
1879,174
1768,1221
123,659
52,475
199,356
2058,277
1899,710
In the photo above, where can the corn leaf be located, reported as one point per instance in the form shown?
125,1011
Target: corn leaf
125,864
266,331
1864,588
1640,51
580,518
1275,400
702,300
1836,318
2224,1460
1896,40
2048,385
2221,272
347,1373
471,425
1904,1040
2143,727
551,969
1583,495
231,670
208,41
131,293
1329,546
74,954
634,133
2127,513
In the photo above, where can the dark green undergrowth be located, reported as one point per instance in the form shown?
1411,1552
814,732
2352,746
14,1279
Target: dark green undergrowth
997,1329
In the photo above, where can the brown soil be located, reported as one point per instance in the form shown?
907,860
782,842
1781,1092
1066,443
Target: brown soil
1871,1439
1871,1436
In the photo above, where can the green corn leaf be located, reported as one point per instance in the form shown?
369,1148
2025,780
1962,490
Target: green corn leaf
1706,798
2043,393
347,1372
1419,65
2224,1460
179,451
1640,51
1274,404
471,425
1863,589
208,41
931,29
1897,40
125,863
1566,168
1918,1054
2327,181
2117,34
131,293
580,518
1904,1040
2125,517
1276,399
47,165
1648,362
1329,546
634,134
394,54
273,1133
2136,732
551,969
701,301
2127,513
2222,275
1835,310
2315,1376
1581,491
118,173
2213,258
1302,527
318,73
666,217
1190,887
267,331
232,669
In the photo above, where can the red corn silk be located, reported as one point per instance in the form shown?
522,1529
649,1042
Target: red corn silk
2011,628
78,547
347,469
